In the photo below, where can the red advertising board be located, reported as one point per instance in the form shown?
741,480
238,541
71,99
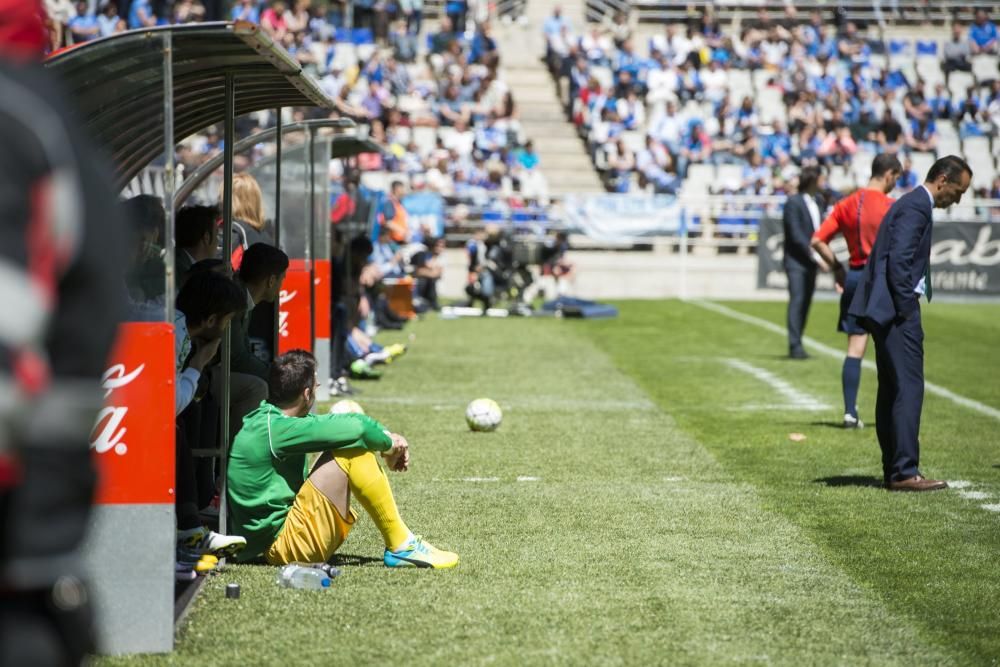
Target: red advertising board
294,309
322,299
132,441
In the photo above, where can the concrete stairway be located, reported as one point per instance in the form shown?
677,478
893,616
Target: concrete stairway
564,160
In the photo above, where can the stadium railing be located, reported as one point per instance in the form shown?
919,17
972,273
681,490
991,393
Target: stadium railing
659,11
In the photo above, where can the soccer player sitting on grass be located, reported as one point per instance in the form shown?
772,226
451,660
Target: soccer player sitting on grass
289,513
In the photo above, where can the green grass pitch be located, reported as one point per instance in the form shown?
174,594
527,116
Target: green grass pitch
642,503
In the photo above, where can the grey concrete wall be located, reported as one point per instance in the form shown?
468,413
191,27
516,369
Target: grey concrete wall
129,556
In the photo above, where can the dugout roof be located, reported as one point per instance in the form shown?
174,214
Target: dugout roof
117,84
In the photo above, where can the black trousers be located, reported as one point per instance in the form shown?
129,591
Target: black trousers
899,353
801,285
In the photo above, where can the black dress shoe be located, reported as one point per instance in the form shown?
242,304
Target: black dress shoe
798,354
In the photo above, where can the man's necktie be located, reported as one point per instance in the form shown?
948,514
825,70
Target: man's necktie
928,289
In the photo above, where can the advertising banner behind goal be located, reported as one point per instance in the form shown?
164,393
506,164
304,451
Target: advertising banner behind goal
965,258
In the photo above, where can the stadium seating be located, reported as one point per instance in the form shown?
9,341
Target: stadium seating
895,65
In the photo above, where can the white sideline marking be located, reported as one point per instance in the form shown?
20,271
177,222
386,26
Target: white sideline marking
959,484
673,479
528,403
991,508
797,400
981,408
526,478
480,479
974,495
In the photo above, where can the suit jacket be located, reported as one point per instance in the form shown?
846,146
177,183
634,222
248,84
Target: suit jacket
182,264
242,357
897,262
798,226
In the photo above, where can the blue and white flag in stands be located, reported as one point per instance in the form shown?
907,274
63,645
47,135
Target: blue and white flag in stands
425,210
624,218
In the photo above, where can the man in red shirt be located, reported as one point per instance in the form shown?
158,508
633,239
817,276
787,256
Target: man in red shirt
857,218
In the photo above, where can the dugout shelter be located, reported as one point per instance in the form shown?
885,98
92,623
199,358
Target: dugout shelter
136,94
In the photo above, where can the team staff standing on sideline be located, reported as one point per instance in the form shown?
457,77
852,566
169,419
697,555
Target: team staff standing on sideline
802,215
888,302
857,218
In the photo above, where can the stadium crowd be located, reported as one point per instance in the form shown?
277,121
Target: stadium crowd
435,101
772,98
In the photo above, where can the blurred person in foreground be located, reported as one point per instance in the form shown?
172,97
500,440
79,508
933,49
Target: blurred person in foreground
291,512
887,302
857,219
60,277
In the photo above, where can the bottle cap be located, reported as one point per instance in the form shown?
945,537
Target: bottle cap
233,591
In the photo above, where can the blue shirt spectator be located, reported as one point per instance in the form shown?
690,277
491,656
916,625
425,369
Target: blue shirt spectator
140,15
555,23
983,33
907,180
425,214
245,10
84,26
940,102
777,144
108,20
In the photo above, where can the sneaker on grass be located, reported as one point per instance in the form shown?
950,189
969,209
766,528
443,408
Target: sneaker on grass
850,421
418,553
202,541
362,370
395,350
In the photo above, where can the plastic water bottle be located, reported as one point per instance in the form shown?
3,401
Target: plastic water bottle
327,569
297,575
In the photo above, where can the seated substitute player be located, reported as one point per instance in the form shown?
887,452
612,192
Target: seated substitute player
288,513
857,217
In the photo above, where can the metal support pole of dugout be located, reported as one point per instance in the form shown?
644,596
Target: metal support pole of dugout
278,127
311,235
169,179
227,253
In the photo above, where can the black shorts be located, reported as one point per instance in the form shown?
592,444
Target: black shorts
848,323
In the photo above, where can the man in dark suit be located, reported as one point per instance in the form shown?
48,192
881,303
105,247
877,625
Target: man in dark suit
196,237
801,218
887,303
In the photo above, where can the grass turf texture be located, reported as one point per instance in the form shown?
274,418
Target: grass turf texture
667,524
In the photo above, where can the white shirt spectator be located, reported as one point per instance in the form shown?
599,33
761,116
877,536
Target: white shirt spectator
595,46
681,47
667,128
662,84
461,142
716,82
774,53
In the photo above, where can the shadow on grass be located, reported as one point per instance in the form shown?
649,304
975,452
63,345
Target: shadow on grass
837,425
350,560
850,480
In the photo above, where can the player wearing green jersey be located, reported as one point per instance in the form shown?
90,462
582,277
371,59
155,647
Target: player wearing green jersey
289,512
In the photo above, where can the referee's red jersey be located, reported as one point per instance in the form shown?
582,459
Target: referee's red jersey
857,217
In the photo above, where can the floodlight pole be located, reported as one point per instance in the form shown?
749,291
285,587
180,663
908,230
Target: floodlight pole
169,180
276,306
227,254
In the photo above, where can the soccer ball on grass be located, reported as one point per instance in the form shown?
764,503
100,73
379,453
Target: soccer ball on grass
483,414
346,406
